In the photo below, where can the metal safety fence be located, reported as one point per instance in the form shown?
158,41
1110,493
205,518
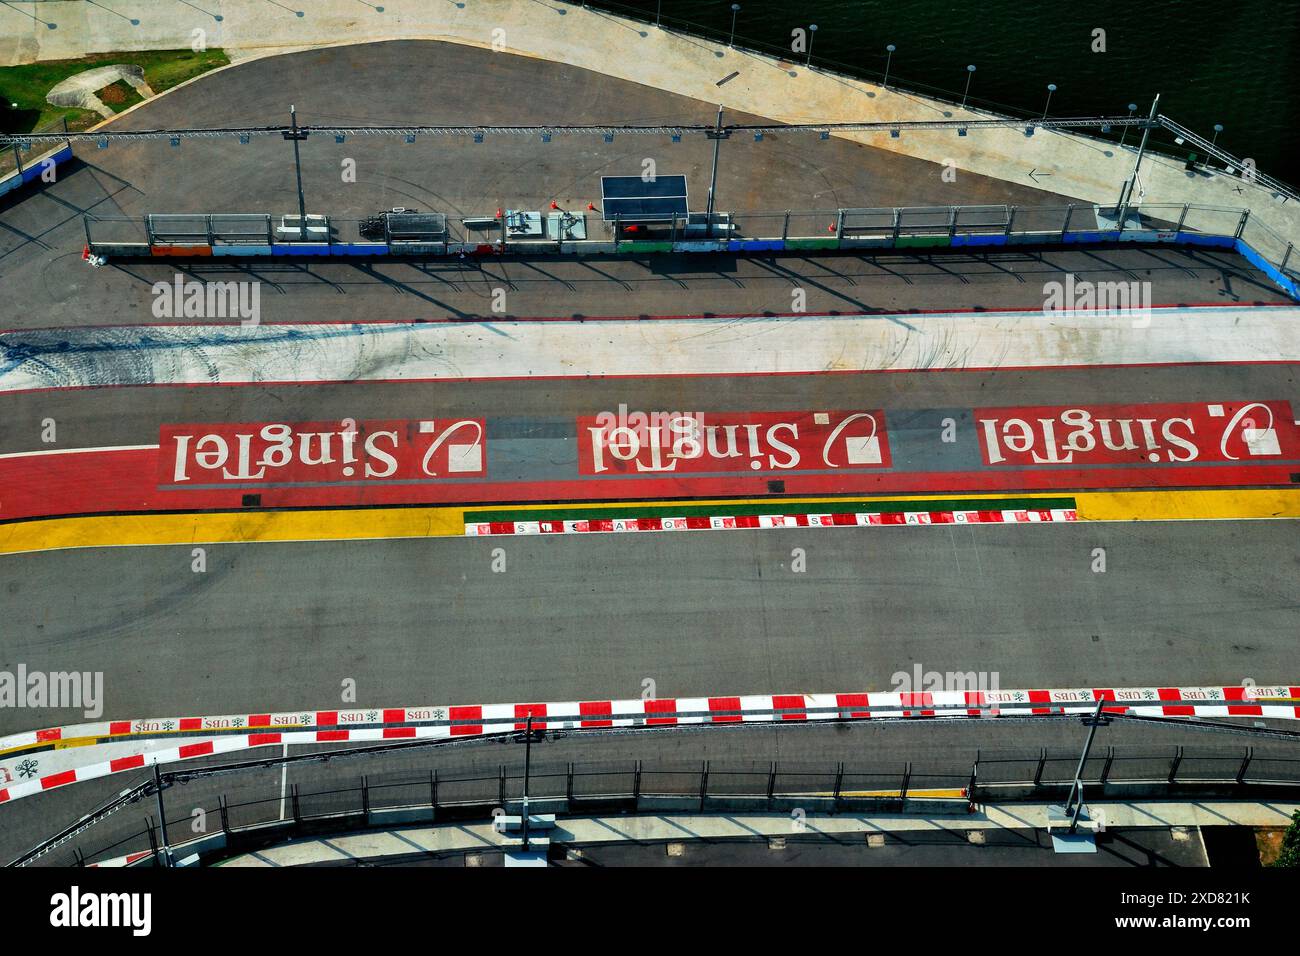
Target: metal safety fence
220,810
561,232
25,162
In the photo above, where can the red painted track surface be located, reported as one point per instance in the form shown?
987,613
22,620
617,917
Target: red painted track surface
127,481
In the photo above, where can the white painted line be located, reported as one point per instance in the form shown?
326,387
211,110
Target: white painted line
77,451
284,780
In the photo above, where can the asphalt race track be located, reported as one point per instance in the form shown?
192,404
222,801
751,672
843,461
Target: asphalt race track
456,619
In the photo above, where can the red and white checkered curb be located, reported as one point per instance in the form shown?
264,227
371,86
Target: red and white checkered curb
245,731
860,519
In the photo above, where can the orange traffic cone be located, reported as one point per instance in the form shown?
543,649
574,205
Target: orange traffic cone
85,253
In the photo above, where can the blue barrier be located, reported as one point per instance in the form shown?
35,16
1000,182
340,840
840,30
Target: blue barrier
33,171
1198,239
300,249
1091,236
756,245
1284,282
979,240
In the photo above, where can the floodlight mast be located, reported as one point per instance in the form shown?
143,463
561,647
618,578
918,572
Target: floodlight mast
297,135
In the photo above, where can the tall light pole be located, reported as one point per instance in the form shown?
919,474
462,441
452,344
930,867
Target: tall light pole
970,71
812,32
296,136
1051,88
717,134
735,8
889,58
1132,108
1127,193
528,765
1218,128
1072,810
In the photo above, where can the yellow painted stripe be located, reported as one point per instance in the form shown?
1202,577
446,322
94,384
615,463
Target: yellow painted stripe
935,794
1188,505
380,523
150,529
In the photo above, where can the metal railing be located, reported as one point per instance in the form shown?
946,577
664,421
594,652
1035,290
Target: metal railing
130,823
224,234
17,156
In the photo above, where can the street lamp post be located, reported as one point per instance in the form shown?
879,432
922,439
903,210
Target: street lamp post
812,32
1072,809
970,72
528,764
1051,88
889,58
297,136
1218,128
735,8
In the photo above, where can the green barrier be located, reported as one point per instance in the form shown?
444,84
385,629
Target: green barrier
644,245
918,242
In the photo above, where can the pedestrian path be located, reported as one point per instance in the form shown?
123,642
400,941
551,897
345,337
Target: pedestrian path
669,828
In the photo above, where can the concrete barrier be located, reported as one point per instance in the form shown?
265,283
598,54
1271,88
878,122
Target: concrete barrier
180,251
359,249
864,242
122,249
644,245
1199,239
1283,282
979,240
230,249
300,249
756,245
922,242
34,168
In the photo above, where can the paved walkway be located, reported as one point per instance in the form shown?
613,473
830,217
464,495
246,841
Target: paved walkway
647,828
597,41
232,355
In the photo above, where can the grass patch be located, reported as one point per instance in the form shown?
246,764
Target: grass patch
25,86
119,96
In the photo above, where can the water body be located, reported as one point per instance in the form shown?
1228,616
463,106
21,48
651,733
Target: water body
1237,64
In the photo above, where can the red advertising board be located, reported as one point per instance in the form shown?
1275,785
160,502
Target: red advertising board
1163,434
719,442
321,452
